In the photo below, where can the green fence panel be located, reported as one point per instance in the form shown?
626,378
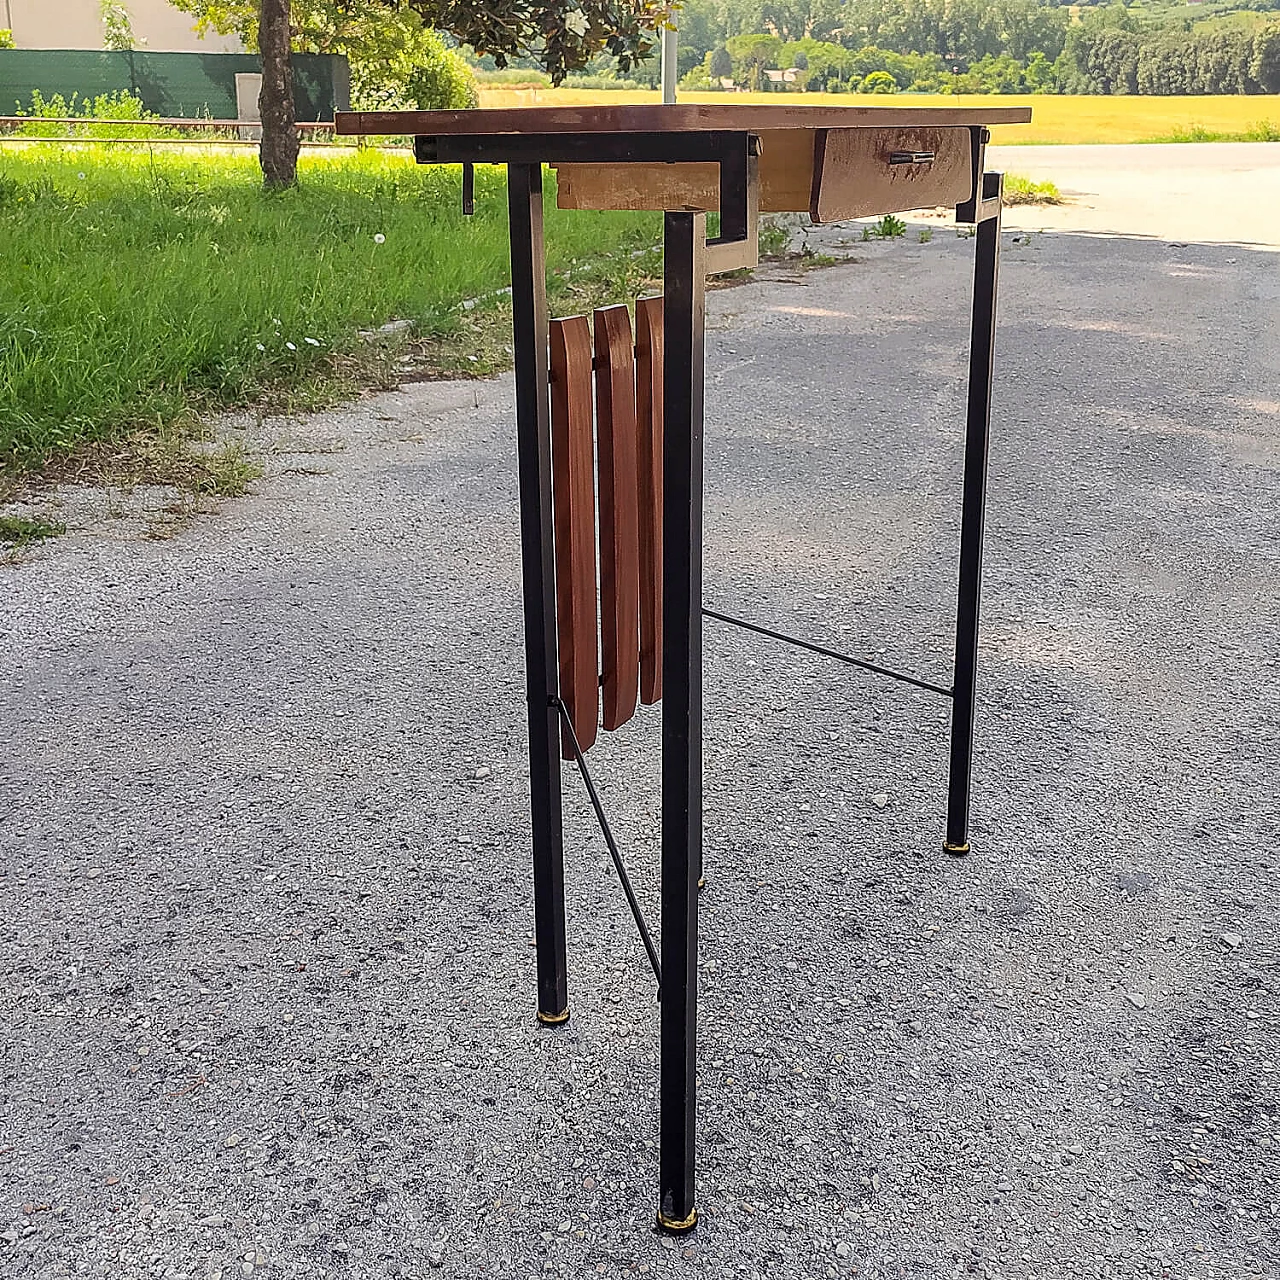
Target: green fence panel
169,84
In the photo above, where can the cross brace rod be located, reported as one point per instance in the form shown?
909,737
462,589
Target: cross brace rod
830,653
618,865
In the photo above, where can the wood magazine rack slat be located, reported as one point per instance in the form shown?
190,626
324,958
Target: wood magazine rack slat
574,482
624,452
649,417
619,515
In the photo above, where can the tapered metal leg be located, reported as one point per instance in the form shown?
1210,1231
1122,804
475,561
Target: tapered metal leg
684,282
977,433
533,430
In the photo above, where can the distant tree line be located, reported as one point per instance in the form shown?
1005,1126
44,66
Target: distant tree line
971,46
1112,57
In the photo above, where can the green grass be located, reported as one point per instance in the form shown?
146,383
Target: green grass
138,291
1020,190
1262,131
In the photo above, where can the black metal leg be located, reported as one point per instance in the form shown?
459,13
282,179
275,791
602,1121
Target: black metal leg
684,245
977,433
533,429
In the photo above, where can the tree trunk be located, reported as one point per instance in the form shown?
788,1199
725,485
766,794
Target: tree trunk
279,151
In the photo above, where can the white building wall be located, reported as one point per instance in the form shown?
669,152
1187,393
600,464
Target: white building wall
77,24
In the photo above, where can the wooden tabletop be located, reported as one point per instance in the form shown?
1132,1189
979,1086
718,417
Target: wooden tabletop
659,117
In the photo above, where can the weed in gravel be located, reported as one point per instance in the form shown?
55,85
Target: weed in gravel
774,237
1020,190
22,531
176,455
889,228
811,258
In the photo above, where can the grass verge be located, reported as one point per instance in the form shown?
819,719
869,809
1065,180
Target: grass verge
143,292
140,292
1262,131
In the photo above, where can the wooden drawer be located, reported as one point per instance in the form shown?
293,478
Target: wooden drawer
858,173
828,173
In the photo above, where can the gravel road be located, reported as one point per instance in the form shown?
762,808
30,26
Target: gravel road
266,1000
1220,191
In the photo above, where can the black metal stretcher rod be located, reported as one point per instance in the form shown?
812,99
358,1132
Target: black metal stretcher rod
658,147
829,653
618,865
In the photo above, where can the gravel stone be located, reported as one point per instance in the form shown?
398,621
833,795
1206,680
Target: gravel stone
265,730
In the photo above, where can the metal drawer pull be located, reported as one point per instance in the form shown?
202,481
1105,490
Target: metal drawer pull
911,157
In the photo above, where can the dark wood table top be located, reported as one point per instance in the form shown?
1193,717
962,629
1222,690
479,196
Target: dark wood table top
671,117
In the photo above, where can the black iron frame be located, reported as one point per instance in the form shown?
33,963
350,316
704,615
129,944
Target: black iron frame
686,263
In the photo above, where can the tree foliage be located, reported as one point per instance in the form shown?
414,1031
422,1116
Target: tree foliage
396,62
1264,66
878,82
1108,53
985,46
561,35
751,54
117,26
935,37
959,31
802,19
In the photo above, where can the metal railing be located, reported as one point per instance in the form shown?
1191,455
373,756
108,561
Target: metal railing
226,132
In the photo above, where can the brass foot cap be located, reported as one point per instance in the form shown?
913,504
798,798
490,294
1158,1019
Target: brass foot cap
956,850
553,1019
677,1226
702,882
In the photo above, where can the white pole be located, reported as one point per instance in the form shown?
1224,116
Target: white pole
669,39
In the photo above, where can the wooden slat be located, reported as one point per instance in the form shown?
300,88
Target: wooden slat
649,419
852,176
660,117
573,482
619,514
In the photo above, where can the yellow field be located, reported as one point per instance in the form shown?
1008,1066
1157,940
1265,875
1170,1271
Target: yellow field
1054,118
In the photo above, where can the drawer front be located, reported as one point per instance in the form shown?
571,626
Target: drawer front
858,173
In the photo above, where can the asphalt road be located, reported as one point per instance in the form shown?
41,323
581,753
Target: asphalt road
1228,192
265,957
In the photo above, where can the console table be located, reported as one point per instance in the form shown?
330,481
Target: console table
624,465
